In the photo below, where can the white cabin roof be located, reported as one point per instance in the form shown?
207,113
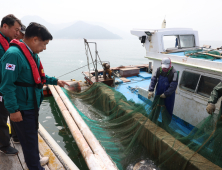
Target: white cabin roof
155,50
154,41
141,32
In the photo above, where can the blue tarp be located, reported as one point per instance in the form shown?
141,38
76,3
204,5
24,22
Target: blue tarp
178,54
145,75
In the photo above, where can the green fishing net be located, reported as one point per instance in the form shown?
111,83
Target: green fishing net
132,132
202,54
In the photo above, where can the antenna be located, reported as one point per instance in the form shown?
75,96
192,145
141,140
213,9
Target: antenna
164,23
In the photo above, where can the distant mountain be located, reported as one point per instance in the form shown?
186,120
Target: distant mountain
77,29
51,27
121,33
81,30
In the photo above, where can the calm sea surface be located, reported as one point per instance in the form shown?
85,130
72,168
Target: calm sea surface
63,56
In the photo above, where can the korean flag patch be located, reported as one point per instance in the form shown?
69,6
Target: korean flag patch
10,67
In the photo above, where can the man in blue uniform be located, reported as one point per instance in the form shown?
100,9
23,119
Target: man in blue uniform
22,81
10,27
165,80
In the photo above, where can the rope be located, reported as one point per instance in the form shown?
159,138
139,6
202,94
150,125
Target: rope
87,49
75,69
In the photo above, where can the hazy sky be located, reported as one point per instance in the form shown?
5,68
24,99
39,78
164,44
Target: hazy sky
201,15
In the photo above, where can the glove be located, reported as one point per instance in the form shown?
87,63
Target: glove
150,95
210,108
162,96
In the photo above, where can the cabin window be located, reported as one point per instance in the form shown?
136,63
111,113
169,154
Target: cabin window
170,42
206,85
187,41
178,42
189,81
198,83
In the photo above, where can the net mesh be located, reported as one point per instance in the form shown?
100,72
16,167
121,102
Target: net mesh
132,132
211,55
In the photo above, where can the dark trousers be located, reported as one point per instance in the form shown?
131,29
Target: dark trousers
13,133
28,136
4,130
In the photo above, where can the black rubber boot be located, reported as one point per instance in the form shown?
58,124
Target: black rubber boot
9,150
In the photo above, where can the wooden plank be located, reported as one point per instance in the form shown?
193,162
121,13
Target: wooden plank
9,162
44,150
213,55
125,79
20,155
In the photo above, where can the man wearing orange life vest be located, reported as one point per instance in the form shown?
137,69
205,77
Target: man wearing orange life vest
22,81
10,27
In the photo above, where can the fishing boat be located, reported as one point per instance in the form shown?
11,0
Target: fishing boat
122,114
199,68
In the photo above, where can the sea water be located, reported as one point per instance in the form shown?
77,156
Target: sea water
63,56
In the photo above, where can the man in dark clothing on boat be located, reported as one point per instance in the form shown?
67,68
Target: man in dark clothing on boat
22,81
217,136
215,95
165,80
10,27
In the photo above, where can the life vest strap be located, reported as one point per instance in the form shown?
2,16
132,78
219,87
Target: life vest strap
4,42
39,86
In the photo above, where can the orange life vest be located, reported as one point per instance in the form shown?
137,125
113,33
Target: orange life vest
38,74
4,42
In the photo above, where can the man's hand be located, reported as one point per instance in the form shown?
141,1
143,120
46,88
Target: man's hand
210,108
62,83
151,94
162,96
16,117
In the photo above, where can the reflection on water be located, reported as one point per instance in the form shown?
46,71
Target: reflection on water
53,121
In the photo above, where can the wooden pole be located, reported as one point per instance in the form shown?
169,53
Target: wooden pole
89,136
92,162
213,55
62,156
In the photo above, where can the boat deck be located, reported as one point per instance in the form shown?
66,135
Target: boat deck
132,88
